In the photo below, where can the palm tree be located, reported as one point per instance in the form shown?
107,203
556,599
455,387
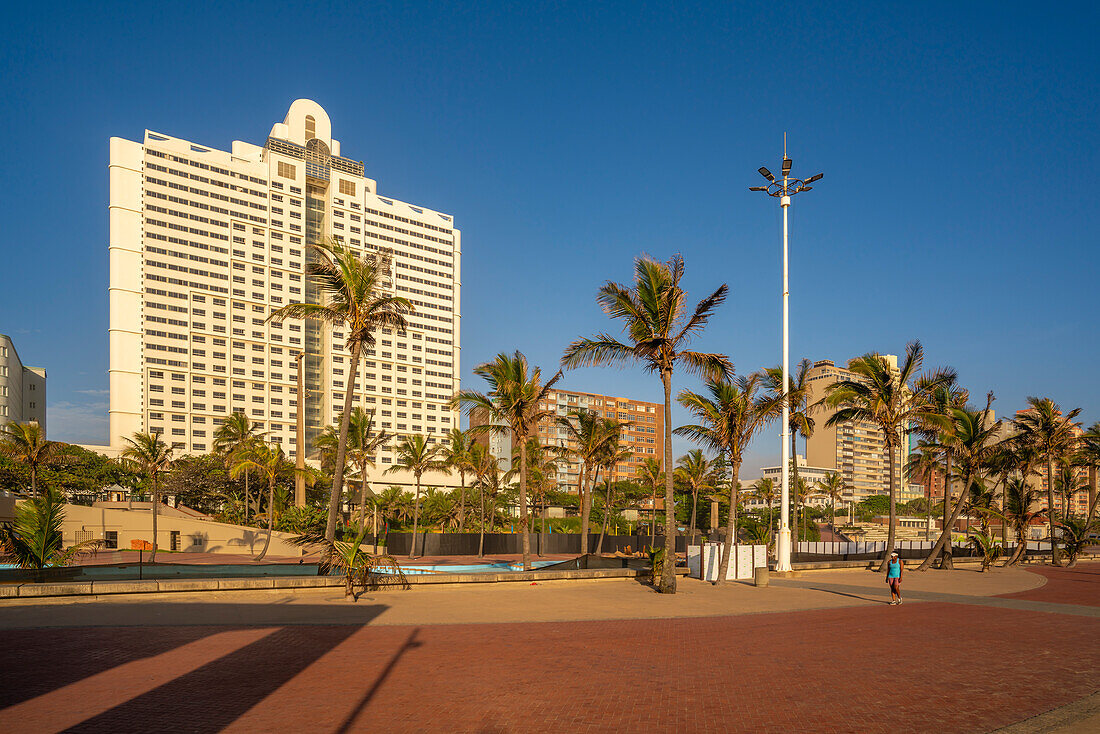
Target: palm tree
34,540
416,455
26,443
1088,455
652,476
764,490
729,415
1021,506
935,427
693,471
367,570
1067,487
271,464
612,454
587,439
542,469
514,400
487,471
655,318
235,438
148,454
803,491
985,544
832,486
362,445
1076,534
892,401
1052,433
800,410
395,504
353,288
456,454
973,443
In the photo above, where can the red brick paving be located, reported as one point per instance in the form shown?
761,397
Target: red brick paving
919,667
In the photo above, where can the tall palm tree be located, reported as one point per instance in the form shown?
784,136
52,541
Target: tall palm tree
730,413
146,453
456,454
352,286
1053,434
890,400
587,437
26,443
656,319
832,486
764,490
271,464
1021,506
234,440
693,471
514,400
974,441
800,413
414,454
652,476
935,427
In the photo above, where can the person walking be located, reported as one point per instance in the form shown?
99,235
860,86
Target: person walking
894,570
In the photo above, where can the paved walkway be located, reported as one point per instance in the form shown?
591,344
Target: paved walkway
968,652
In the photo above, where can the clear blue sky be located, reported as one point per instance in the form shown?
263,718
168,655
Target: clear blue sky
959,142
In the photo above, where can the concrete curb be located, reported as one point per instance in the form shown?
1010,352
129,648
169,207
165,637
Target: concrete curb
152,586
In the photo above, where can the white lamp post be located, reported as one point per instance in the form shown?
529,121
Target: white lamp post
784,190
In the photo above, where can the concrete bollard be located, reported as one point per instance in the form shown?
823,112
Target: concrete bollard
760,576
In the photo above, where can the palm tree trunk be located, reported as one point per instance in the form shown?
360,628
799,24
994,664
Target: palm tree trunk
341,449
34,480
363,499
270,517
945,535
481,531
653,518
694,509
667,584
606,515
1055,559
892,532
731,527
462,503
247,499
947,555
416,518
794,477
156,497
586,504
523,502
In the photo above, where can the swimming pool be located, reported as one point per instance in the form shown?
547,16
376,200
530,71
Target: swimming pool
419,568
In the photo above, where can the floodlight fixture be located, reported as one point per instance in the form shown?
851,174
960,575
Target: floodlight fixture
767,174
758,188
787,166
815,177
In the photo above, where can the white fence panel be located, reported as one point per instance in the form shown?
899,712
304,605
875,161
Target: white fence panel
743,561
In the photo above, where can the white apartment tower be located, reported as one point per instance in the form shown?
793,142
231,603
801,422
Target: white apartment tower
205,244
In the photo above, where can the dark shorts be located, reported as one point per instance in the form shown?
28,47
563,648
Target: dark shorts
895,585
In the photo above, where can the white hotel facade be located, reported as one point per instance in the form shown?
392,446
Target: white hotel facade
206,244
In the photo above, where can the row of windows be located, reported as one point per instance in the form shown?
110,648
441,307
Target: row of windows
215,169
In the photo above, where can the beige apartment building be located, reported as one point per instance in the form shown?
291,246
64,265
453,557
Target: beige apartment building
855,449
644,437
205,244
22,388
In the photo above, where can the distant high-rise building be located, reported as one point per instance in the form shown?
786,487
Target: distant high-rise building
22,388
855,449
644,437
205,244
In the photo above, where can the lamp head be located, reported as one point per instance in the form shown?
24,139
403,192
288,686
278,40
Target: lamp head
816,177
767,174
758,188
787,166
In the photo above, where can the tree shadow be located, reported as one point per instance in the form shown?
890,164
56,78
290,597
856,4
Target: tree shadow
409,644
876,600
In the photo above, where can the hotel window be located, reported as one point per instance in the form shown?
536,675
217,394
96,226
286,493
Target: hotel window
311,127
286,170
347,187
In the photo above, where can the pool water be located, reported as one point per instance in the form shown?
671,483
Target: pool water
418,568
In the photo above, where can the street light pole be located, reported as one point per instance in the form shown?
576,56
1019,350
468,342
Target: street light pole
300,436
784,190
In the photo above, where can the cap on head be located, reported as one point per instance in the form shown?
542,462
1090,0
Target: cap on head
894,554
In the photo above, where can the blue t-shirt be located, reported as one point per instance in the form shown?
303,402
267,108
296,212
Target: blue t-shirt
893,570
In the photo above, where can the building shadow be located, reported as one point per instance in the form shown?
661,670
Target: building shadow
216,694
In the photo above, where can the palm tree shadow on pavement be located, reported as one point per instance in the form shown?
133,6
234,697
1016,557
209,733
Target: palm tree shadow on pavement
875,600
409,644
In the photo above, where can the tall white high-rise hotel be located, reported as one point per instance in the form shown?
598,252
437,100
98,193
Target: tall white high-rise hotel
205,244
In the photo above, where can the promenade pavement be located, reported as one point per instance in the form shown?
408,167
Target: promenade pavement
967,652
